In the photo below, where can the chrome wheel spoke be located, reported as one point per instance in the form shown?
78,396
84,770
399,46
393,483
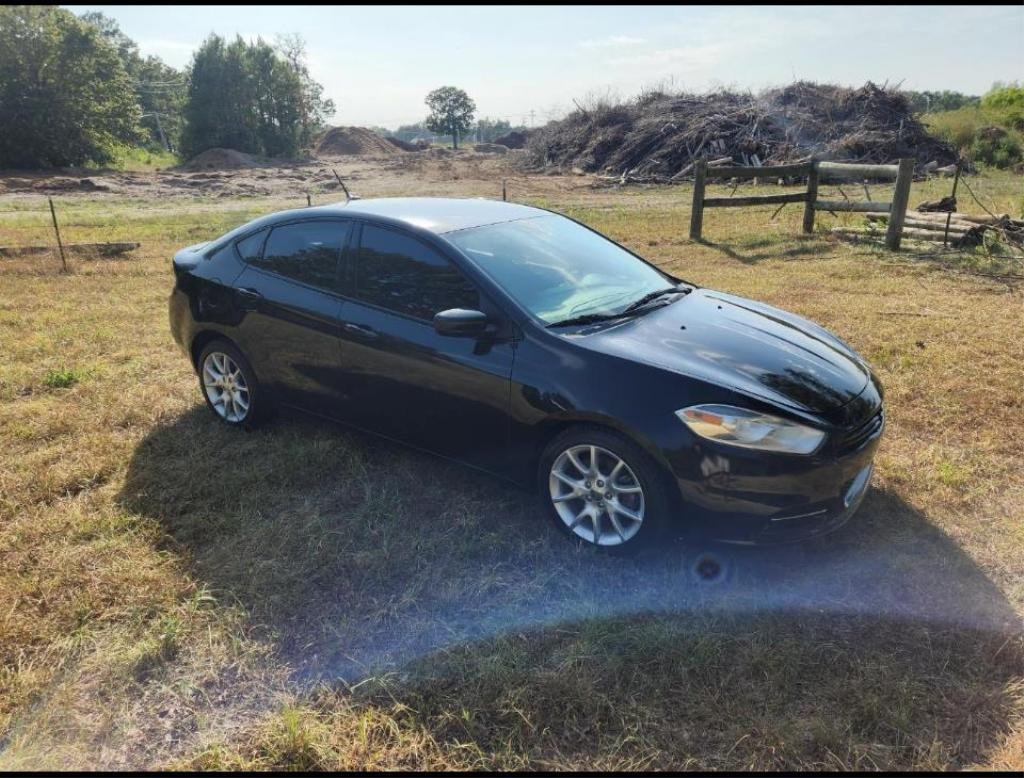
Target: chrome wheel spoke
576,485
626,512
576,462
601,495
615,471
616,524
579,518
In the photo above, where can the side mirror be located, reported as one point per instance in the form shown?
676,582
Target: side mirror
459,321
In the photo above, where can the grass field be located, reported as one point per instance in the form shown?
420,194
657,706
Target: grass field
176,594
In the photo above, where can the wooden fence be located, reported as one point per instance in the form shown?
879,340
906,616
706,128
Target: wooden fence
814,172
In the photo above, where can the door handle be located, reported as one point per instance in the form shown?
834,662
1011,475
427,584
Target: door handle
360,329
250,298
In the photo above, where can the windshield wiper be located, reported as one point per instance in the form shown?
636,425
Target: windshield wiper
588,318
651,296
629,310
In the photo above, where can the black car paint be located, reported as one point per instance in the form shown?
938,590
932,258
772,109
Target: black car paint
492,401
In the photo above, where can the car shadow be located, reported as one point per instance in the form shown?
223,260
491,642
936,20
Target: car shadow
354,555
706,690
758,251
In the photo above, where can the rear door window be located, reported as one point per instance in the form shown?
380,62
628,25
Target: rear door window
402,274
308,252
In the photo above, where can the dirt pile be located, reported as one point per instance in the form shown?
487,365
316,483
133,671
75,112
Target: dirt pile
221,159
659,136
354,141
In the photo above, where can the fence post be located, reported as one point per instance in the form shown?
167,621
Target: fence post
56,229
812,195
898,209
697,214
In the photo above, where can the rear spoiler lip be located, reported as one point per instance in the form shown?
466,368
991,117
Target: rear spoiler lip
190,256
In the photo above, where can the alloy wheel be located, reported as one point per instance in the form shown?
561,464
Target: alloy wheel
597,495
225,387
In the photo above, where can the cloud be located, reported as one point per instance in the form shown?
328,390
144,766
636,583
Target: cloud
610,41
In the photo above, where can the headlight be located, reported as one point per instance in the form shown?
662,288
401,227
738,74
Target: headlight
750,429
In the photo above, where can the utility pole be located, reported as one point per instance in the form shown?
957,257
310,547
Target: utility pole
531,117
160,129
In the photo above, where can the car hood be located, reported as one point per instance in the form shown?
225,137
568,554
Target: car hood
748,346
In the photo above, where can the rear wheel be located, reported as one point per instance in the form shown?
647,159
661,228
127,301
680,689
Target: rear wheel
602,488
230,386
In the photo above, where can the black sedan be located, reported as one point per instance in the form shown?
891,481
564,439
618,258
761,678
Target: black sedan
523,343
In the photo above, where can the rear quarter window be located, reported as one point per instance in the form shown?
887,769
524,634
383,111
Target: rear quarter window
251,248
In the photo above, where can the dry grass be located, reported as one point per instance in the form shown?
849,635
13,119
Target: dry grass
180,595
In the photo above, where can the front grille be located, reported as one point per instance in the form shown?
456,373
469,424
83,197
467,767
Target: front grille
855,438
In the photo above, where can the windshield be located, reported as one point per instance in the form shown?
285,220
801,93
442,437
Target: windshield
558,269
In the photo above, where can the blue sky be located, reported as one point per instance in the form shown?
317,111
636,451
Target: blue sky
378,63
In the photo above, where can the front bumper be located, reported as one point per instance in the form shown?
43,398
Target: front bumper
742,496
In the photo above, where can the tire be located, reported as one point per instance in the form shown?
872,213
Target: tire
246,405
622,534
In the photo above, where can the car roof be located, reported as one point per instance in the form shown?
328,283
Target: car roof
433,214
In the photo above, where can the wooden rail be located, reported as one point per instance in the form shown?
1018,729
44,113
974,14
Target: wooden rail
814,172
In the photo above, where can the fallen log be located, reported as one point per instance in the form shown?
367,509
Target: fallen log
912,233
1001,218
925,224
104,249
965,217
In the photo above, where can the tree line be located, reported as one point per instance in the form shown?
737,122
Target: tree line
75,90
484,130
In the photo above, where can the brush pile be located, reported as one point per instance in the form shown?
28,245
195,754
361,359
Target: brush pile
658,136
516,139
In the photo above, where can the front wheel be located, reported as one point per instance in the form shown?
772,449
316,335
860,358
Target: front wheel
602,488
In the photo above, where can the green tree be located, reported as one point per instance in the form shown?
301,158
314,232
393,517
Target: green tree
314,107
489,129
246,96
159,88
409,132
451,112
65,98
1006,101
946,100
